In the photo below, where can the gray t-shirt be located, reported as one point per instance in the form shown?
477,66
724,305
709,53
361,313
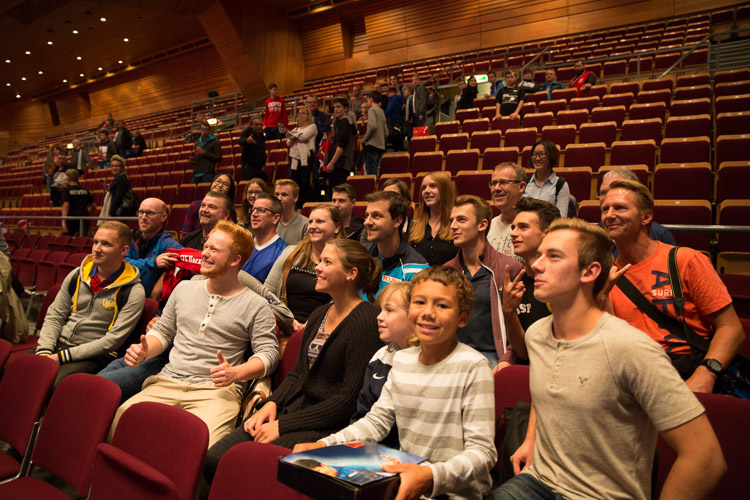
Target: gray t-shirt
198,324
295,231
600,401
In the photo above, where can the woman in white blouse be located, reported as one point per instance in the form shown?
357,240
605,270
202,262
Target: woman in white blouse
544,184
301,142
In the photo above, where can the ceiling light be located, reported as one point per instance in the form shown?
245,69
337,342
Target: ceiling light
23,78
81,75
78,58
125,40
75,32
119,62
100,68
7,61
103,19
7,84
18,96
49,42
28,52
65,81
41,72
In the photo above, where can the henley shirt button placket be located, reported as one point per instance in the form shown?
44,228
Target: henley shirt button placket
213,300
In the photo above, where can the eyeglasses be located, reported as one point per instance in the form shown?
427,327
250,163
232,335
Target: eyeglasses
261,210
223,183
502,183
254,193
539,155
147,214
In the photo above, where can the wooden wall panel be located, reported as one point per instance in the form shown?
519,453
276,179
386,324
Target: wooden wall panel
23,123
399,31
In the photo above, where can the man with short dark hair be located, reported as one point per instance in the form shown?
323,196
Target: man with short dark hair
106,149
550,83
97,307
506,188
375,135
484,267
253,144
139,144
274,114
520,308
268,244
214,207
355,100
341,161
343,198
527,82
207,155
123,140
292,227
76,200
212,326
394,113
601,391
419,101
510,98
385,214
79,158
495,84
583,79
320,119
627,212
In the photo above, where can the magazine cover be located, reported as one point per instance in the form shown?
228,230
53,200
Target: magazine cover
346,471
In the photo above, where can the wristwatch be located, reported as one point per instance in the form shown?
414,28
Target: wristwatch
712,364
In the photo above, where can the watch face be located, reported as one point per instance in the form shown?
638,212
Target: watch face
712,365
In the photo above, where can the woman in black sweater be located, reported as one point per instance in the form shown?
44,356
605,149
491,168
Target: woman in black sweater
319,395
119,186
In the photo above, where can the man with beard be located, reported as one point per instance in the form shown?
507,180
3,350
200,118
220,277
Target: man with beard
206,374
253,144
583,80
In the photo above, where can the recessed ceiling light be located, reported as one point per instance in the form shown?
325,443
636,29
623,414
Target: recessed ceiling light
41,72
49,42
125,40
7,84
23,78
28,52
119,62
103,19
7,61
18,96
75,32
81,75
65,81
78,58
100,68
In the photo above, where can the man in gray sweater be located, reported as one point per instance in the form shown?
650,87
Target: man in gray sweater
376,134
208,366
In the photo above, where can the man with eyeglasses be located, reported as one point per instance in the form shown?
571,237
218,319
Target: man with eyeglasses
264,217
506,187
321,120
149,243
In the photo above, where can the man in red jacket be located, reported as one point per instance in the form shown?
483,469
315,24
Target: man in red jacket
274,113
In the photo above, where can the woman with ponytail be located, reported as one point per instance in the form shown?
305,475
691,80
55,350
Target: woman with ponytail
319,395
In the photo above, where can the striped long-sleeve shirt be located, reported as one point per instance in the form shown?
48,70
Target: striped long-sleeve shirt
444,412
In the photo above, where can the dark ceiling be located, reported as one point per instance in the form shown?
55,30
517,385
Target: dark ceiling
30,25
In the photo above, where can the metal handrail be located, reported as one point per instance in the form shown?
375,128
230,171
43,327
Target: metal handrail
67,217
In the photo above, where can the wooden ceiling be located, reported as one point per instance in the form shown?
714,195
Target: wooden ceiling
29,25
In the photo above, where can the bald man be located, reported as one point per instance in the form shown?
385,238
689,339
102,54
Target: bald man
150,241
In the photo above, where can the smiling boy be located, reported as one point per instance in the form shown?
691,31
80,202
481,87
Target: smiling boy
442,394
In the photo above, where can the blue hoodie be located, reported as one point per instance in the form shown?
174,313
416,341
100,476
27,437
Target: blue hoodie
147,266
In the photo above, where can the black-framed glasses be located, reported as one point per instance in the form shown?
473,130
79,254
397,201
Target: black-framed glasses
502,183
539,155
223,183
147,213
261,210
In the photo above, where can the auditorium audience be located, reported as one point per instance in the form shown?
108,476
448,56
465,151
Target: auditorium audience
222,183
468,94
319,396
253,144
292,277
550,83
430,234
544,184
206,155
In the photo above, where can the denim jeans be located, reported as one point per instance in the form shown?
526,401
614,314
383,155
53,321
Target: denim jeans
523,487
372,159
129,379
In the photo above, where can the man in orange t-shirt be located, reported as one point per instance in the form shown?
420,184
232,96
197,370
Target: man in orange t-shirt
627,213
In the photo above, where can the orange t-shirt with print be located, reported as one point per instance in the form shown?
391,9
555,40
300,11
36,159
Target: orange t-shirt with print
704,292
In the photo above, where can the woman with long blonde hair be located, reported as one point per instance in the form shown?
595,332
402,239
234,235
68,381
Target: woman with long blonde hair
301,142
430,233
